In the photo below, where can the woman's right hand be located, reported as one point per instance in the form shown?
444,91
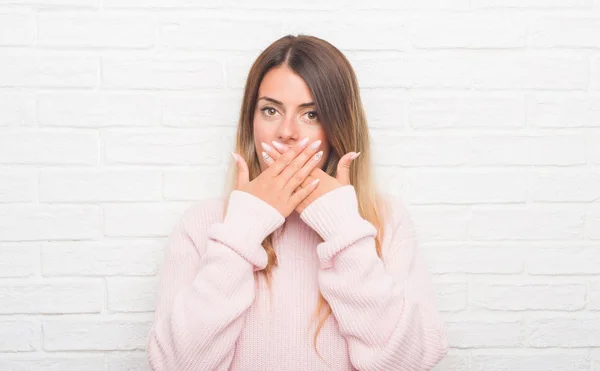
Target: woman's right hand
278,184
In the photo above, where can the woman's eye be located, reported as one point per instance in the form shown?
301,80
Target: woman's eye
312,115
270,110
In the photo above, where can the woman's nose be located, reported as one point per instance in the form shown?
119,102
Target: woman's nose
287,130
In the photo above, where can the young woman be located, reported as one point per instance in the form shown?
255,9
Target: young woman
305,265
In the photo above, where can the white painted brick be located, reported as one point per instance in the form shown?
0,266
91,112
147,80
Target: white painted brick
17,109
237,68
475,70
563,31
135,294
593,221
576,330
474,259
58,185
593,148
441,223
17,185
48,71
19,259
54,362
462,112
186,185
20,335
17,27
176,147
531,3
49,222
92,109
48,147
95,334
150,4
450,296
466,187
468,31
385,108
402,150
128,361
594,298
377,73
595,84
346,31
527,294
53,3
102,258
565,185
529,359
198,33
481,333
563,111
289,5
567,258
161,73
408,4
200,110
93,29
455,360
142,220
560,150
595,359
51,296
539,222
391,180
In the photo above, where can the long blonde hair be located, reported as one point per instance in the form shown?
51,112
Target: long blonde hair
336,95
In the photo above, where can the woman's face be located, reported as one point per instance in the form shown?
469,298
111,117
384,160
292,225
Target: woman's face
284,113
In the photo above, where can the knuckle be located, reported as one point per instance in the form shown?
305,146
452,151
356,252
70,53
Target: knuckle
294,167
298,178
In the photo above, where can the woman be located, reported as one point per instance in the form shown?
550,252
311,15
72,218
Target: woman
237,291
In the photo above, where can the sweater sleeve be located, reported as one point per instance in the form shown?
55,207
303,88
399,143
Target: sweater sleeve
385,309
207,284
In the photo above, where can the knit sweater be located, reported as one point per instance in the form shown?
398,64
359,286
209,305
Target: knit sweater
214,313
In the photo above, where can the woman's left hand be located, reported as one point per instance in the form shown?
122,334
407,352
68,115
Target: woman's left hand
326,184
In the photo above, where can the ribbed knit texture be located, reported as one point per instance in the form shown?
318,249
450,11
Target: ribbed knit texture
212,314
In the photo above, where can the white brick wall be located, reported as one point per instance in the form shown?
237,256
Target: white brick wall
115,115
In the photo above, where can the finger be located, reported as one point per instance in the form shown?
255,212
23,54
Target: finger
284,160
292,170
282,148
343,167
270,154
300,177
268,159
302,193
309,179
243,175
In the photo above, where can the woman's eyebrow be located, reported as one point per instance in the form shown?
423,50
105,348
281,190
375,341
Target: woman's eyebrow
309,104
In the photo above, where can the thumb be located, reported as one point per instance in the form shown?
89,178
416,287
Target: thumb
343,168
243,175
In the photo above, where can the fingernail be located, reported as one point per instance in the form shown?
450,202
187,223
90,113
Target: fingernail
355,156
318,156
314,182
266,157
278,145
266,147
303,142
315,144
235,157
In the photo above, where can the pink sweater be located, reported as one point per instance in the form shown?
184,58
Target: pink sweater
212,314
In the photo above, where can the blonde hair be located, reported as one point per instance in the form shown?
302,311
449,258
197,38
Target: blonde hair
336,95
